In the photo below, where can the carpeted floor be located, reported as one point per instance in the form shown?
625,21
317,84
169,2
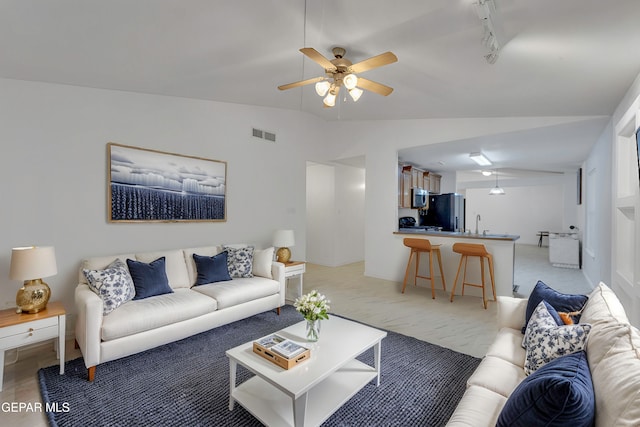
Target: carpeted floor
187,383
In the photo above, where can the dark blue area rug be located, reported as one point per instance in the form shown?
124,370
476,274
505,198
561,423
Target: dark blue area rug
186,383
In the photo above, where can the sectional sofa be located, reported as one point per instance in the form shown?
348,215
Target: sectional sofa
110,324
610,383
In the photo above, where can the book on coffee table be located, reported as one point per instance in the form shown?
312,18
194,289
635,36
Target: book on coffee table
281,351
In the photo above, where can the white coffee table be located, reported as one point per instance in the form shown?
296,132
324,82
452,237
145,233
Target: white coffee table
309,393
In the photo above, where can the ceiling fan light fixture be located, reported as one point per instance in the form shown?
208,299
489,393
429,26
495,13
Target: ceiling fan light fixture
486,173
350,81
322,87
330,100
355,93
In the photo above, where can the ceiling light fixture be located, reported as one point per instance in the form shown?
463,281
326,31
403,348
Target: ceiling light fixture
323,87
497,190
350,81
355,93
480,159
486,173
330,99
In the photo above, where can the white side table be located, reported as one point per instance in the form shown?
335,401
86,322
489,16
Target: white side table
295,269
20,329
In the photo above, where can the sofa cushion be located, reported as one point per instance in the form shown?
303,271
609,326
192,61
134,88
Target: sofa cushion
149,279
546,341
211,269
142,315
558,394
497,375
508,346
191,265
262,262
558,300
238,291
616,379
603,306
176,267
240,260
479,407
113,285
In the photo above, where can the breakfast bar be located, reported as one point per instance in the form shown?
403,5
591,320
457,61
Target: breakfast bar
501,246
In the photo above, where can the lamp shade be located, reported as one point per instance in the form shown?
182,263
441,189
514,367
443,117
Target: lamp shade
283,239
32,262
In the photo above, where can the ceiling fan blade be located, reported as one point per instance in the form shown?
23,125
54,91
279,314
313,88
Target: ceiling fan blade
374,62
316,56
301,83
372,86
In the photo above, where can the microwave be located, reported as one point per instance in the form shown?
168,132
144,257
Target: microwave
419,197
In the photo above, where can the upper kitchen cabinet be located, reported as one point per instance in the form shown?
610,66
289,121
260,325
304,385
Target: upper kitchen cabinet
410,176
432,182
405,182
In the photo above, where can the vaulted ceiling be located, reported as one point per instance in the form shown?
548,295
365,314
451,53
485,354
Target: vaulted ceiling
558,58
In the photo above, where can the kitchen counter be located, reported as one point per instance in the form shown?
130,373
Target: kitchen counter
457,234
501,246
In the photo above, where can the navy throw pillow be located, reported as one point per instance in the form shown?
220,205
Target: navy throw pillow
149,279
561,302
211,269
558,394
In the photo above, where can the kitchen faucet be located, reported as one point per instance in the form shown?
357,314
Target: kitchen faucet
477,219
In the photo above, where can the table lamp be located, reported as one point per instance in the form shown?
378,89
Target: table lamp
31,264
282,240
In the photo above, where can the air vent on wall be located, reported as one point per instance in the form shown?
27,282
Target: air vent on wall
268,136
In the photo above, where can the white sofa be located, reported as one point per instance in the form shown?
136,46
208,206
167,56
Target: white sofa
613,355
139,325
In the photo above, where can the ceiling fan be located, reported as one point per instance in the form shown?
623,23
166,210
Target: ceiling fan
341,72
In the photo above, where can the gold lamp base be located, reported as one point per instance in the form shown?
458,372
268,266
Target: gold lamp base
283,255
33,296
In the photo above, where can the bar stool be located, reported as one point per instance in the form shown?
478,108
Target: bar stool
417,247
472,249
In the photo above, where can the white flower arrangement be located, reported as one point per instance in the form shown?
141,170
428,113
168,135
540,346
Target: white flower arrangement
313,306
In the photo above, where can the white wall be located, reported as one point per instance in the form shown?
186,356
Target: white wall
335,214
54,178
597,203
521,210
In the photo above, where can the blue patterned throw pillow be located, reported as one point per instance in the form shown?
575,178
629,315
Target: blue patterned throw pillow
113,284
546,341
239,261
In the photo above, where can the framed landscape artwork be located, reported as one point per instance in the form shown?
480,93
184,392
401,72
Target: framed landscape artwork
148,185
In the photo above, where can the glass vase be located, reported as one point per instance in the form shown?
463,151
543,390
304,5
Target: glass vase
313,330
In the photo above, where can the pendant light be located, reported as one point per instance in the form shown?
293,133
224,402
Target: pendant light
497,190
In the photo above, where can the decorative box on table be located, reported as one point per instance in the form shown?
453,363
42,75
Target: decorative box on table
281,351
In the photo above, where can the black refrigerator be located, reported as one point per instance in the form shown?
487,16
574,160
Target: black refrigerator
446,211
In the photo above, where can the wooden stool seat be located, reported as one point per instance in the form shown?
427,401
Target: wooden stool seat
474,250
419,246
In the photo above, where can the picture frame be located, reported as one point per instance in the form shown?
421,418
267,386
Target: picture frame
147,185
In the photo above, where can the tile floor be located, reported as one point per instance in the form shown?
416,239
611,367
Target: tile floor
462,325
